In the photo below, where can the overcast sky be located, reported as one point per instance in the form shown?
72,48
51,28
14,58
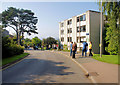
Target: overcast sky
50,14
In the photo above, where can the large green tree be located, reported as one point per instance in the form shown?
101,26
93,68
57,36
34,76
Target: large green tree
36,41
111,10
20,20
50,41
27,42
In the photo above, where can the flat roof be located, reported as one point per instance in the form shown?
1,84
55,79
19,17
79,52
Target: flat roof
81,14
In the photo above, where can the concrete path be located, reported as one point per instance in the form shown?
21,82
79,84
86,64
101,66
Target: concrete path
100,71
44,67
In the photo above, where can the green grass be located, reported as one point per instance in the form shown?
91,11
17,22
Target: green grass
113,59
13,58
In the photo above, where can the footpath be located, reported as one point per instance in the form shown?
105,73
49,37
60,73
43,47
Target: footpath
100,72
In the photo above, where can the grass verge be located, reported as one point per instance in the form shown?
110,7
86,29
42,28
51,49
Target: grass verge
113,59
13,58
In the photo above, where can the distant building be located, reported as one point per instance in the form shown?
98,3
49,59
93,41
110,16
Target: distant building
80,28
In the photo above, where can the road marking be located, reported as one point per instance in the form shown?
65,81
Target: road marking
13,64
92,79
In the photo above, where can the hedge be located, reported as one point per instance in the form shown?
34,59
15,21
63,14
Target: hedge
9,48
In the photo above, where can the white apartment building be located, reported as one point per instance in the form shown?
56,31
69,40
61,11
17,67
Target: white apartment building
80,28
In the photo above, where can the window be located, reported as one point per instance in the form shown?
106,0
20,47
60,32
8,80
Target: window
77,19
70,21
84,17
78,39
81,18
62,24
62,39
62,31
82,39
69,39
70,30
78,29
83,29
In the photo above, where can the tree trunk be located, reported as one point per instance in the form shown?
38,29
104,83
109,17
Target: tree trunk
17,36
22,35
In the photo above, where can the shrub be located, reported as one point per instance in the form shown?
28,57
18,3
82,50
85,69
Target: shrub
65,47
9,48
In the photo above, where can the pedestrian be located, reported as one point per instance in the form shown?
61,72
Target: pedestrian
90,49
84,49
74,48
71,48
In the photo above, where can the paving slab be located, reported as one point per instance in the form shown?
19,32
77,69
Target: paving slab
100,71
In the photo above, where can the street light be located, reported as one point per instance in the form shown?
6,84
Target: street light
101,31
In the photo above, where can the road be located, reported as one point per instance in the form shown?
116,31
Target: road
44,67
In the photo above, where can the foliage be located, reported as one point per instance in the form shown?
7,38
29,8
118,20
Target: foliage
65,47
10,47
20,20
43,42
36,41
49,41
13,58
112,9
27,42
107,58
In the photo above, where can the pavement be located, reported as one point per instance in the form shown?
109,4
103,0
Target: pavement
99,72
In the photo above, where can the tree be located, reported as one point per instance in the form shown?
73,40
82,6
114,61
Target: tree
36,41
50,41
43,42
112,10
27,42
20,20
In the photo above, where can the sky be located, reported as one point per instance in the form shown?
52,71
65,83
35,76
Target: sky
49,14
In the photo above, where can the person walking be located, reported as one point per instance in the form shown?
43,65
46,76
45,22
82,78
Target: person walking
71,48
90,49
84,49
74,48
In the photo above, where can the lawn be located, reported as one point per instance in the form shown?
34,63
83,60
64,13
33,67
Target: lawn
113,59
13,58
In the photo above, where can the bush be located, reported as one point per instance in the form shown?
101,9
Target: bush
9,48
65,47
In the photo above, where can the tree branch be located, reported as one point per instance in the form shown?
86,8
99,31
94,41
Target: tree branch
12,27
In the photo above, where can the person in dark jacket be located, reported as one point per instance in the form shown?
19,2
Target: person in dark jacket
71,48
84,49
74,49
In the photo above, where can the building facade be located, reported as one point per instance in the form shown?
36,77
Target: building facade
80,28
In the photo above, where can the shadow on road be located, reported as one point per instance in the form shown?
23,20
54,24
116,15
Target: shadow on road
34,71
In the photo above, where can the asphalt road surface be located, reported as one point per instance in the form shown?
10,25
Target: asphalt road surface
44,67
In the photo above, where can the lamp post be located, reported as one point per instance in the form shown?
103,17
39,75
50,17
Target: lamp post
101,31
